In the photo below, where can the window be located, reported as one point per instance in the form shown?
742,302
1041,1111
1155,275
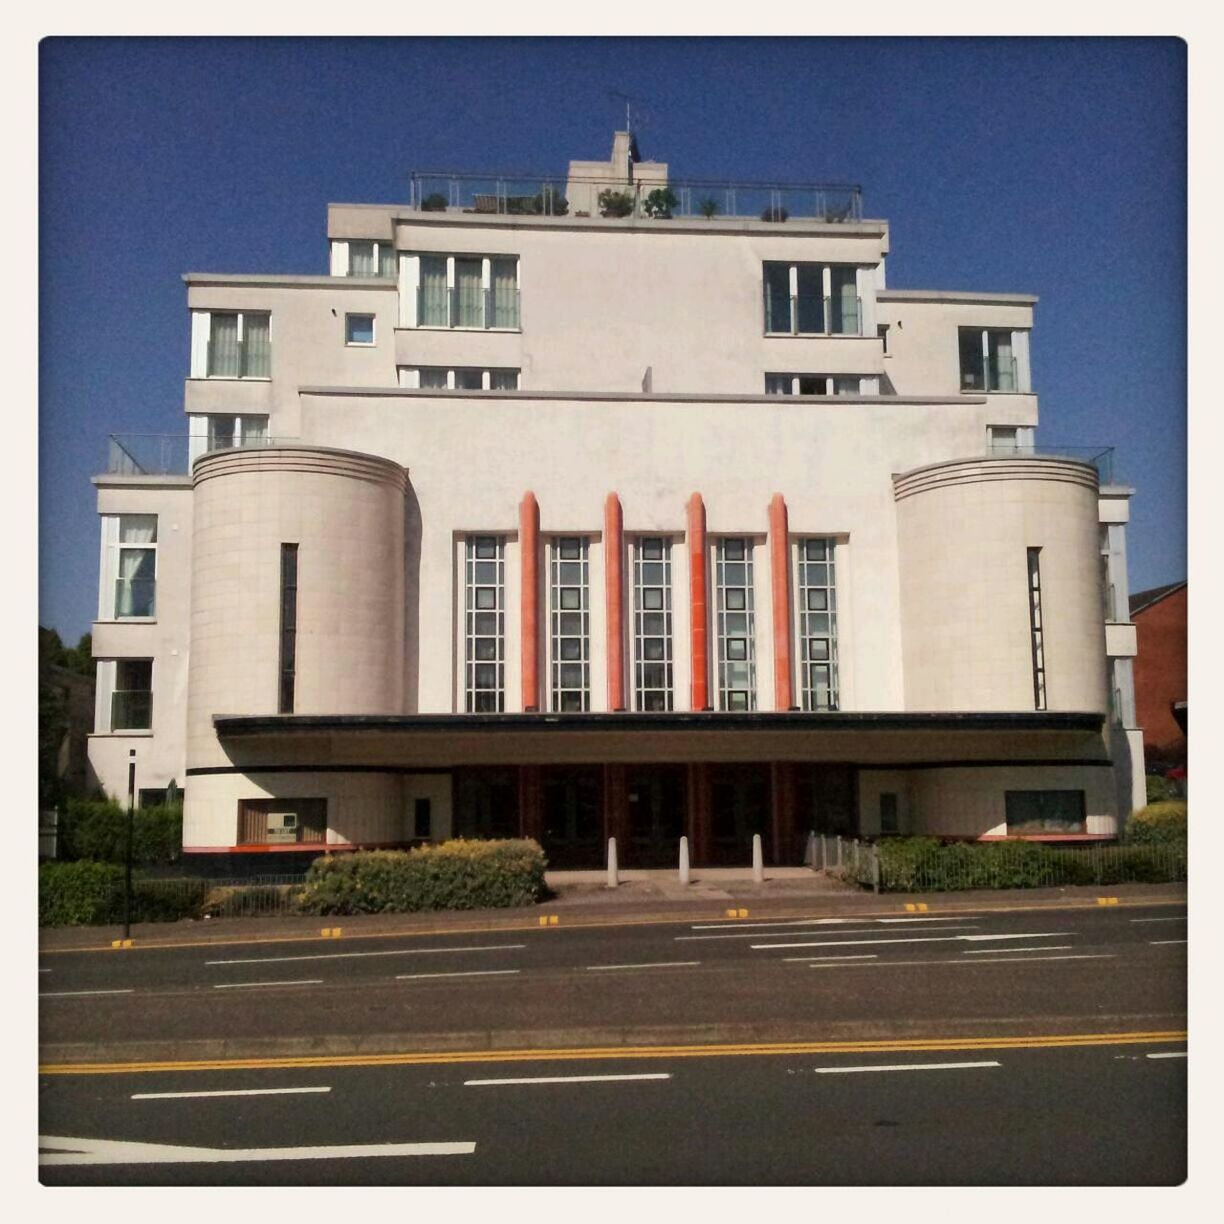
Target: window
468,291
288,628
570,623
1045,811
238,345
987,360
736,628
888,812
129,567
359,329
158,796
652,639
461,378
812,384
816,592
1036,628
370,259
812,299
271,822
132,697
227,431
882,334
485,624
422,819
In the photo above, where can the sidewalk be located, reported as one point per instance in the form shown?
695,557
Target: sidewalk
582,898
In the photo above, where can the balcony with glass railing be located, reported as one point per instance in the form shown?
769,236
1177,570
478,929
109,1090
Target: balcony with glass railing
528,195
461,307
806,314
1099,457
173,454
131,710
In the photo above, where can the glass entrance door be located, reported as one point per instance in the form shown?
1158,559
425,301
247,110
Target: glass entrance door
573,816
657,798
740,805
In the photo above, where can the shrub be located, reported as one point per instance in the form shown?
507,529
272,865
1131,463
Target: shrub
453,875
97,829
925,864
1160,788
249,901
1159,822
709,207
89,894
775,212
434,202
659,203
615,203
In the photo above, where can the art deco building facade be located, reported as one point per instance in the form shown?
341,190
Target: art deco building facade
605,508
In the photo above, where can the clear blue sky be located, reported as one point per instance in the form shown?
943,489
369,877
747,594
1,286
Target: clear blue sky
1047,166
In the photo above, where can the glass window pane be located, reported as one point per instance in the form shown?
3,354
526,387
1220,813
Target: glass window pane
570,647
486,597
138,529
652,549
223,358
571,624
387,260
361,258
433,297
654,648
652,599
735,600
733,549
737,648
484,624
571,598
256,348
359,329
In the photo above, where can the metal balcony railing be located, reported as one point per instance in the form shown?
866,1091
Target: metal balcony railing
1001,374
1100,457
545,195
131,710
808,314
135,597
171,454
443,306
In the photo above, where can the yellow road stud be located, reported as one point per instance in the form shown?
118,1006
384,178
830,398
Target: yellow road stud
916,907
543,920
733,913
330,932
741,913
552,919
121,943
1107,900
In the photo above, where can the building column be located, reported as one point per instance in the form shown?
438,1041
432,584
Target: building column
531,801
614,595
698,586
699,829
529,548
782,811
616,808
779,564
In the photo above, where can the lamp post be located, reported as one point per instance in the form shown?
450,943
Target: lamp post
127,871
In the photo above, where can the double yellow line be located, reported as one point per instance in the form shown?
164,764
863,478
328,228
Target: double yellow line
607,1053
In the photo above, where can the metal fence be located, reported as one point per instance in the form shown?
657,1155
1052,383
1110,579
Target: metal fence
172,898
903,866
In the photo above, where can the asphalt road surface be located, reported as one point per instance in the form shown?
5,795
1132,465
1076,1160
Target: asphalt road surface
1041,1047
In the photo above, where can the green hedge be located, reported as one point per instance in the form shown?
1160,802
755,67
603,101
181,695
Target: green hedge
97,829
1159,822
925,864
453,875
91,894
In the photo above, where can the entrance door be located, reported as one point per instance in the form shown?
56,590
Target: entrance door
825,800
657,797
486,803
740,805
573,816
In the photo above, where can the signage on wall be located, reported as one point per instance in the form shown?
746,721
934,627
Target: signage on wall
282,827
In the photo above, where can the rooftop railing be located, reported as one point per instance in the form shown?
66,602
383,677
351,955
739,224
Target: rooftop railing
1100,457
171,454
545,195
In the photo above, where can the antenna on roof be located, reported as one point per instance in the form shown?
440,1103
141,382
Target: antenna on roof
632,103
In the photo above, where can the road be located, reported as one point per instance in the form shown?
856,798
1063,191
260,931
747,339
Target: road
1038,1047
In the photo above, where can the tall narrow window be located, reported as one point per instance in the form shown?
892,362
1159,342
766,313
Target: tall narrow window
816,591
432,304
736,628
569,612
652,639
288,627
504,304
1037,628
485,624
468,303
136,580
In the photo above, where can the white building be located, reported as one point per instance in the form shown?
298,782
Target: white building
532,519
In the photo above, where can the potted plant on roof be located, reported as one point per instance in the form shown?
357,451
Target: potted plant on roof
550,202
775,212
615,203
709,208
659,203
